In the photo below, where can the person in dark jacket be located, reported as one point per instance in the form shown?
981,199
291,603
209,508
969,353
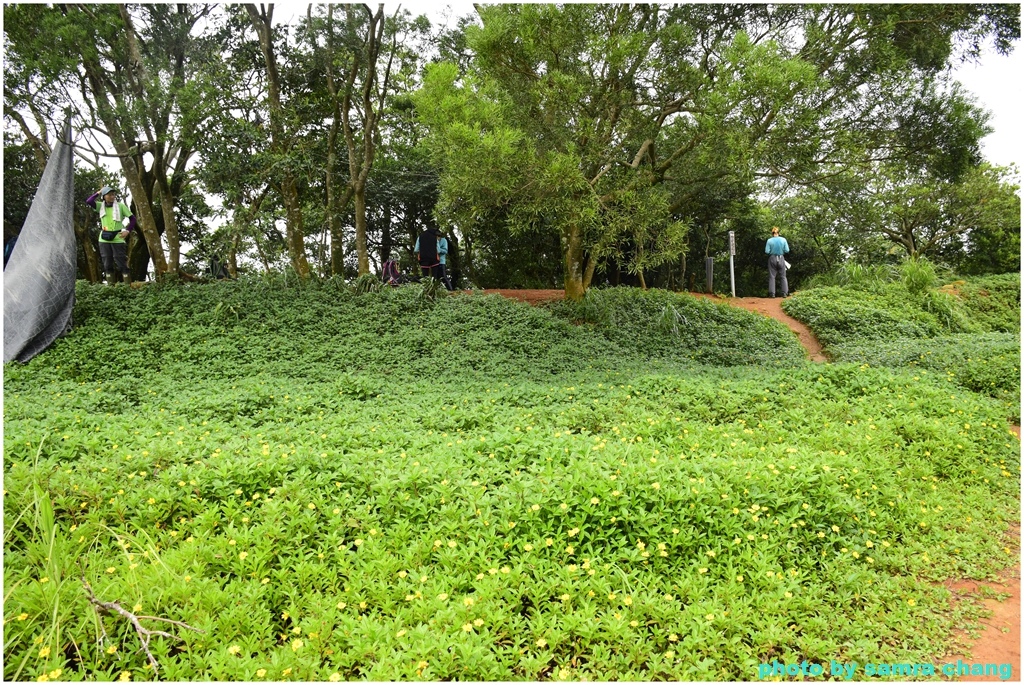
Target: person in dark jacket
430,249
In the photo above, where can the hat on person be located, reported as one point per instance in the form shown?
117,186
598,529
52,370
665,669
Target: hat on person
104,190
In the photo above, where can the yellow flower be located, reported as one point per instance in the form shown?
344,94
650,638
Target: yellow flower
627,600
542,643
548,542
55,673
468,627
468,601
400,633
125,676
232,542
234,649
656,486
528,547
478,622
506,569
710,617
911,602
594,500
634,623
243,555
296,644
112,649
287,671
334,677
341,605
109,570
570,550
452,543
565,597
573,531
265,581
137,608
45,652
261,672
22,617
443,596
702,570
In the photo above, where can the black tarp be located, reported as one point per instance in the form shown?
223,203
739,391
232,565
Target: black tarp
39,281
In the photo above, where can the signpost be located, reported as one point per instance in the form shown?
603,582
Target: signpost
732,253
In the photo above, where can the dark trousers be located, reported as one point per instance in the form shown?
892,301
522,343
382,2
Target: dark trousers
114,254
777,267
439,272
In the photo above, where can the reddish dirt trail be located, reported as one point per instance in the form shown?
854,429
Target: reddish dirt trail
771,307
999,640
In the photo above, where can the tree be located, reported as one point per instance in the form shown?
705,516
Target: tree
262,22
574,117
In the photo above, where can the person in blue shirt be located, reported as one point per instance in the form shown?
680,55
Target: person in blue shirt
775,248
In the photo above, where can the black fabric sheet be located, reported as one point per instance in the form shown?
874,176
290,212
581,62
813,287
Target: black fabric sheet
39,281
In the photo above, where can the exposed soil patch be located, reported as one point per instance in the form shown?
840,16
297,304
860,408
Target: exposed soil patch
999,640
529,296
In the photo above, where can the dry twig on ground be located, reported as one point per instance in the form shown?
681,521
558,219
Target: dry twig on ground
145,634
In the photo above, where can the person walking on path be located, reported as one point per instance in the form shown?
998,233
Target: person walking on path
113,249
775,248
430,250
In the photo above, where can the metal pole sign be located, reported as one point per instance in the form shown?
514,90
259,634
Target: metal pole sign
732,253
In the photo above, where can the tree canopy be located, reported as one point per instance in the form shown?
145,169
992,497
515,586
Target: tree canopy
557,142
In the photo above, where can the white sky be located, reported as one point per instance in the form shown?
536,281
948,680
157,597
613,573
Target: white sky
996,81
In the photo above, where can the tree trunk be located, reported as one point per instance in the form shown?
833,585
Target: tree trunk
385,236
361,250
91,268
261,21
572,250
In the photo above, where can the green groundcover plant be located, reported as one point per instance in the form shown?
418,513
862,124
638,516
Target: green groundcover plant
320,485
967,330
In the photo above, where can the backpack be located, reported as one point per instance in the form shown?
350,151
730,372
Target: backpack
428,248
391,275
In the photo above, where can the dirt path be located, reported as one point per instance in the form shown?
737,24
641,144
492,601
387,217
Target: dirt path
771,307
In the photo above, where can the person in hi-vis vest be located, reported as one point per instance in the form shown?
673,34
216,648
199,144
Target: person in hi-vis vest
113,249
